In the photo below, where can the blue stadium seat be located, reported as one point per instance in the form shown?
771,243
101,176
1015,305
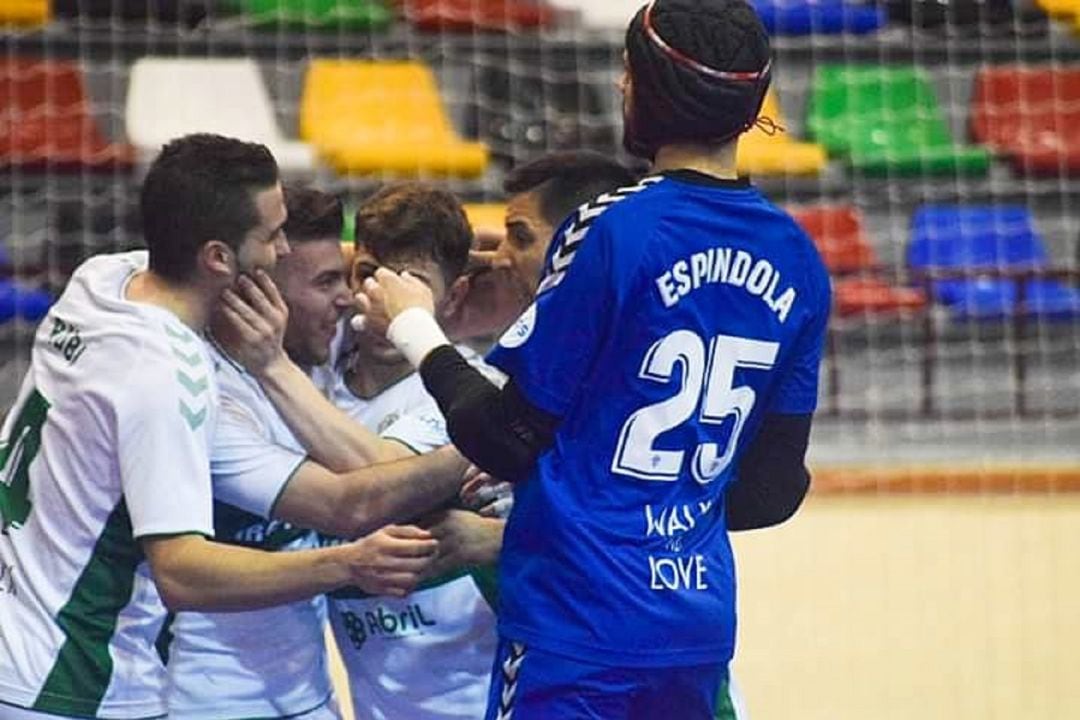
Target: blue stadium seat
805,17
18,301
989,247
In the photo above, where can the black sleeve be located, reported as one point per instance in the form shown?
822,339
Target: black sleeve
497,430
772,479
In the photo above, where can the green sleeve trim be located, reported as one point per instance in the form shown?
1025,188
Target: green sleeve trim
178,533
399,441
281,490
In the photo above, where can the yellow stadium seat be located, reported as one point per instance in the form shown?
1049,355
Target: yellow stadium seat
386,118
24,12
777,154
1060,7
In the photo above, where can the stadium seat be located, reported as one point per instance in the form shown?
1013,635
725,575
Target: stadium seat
886,121
474,15
818,17
778,154
17,301
24,12
410,133
1060,8
169,97
318,14
1031,115
988,250
185,13
46,121
972,17
858,288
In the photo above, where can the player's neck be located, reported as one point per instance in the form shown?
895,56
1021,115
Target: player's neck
366,379
187,302
715,160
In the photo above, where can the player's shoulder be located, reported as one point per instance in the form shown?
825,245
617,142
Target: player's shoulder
623,206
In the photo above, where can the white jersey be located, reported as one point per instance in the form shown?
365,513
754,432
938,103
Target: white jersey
426,656
260,663
107,442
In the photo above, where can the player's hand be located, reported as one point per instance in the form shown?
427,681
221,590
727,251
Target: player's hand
465,540
251,322
392,560
385,295
486,495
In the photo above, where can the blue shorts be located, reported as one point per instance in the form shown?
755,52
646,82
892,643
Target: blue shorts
528,684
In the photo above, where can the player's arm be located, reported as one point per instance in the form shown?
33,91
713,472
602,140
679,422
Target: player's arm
351,504
194,573
772,478
329,435
465,540
256,324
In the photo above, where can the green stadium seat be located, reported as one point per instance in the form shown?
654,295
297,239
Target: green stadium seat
318,14
887,121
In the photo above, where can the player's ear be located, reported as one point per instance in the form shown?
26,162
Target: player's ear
454,301
217,259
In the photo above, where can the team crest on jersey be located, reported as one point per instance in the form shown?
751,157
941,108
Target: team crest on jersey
521,330
571,239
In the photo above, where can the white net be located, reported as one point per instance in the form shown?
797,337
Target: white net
931,147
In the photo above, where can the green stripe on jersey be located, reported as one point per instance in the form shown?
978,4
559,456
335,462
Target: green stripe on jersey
83,669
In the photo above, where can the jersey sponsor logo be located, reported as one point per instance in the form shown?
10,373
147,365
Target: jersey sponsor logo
518,334
64,337
737,268
386,422
572,238
386,624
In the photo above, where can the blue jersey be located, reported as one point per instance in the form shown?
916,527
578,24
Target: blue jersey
673,315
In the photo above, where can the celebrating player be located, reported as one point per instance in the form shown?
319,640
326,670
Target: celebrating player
672,350
426,656
229,665
106,494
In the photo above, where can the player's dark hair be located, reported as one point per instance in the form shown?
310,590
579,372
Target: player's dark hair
565,180
699,71
416,221
201,188
313,215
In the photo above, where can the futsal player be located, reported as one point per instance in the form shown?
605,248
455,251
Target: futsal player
672,350
105,502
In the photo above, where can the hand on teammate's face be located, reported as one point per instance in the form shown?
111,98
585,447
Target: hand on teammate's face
386,294
392,560
251,322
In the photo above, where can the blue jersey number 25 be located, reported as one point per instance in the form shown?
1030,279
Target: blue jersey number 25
713,373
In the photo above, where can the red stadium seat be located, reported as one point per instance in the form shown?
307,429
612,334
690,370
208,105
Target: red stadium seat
45,119
858,288
483,15
1031,115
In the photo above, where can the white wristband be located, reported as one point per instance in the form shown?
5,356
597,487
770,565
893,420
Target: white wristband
416,333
